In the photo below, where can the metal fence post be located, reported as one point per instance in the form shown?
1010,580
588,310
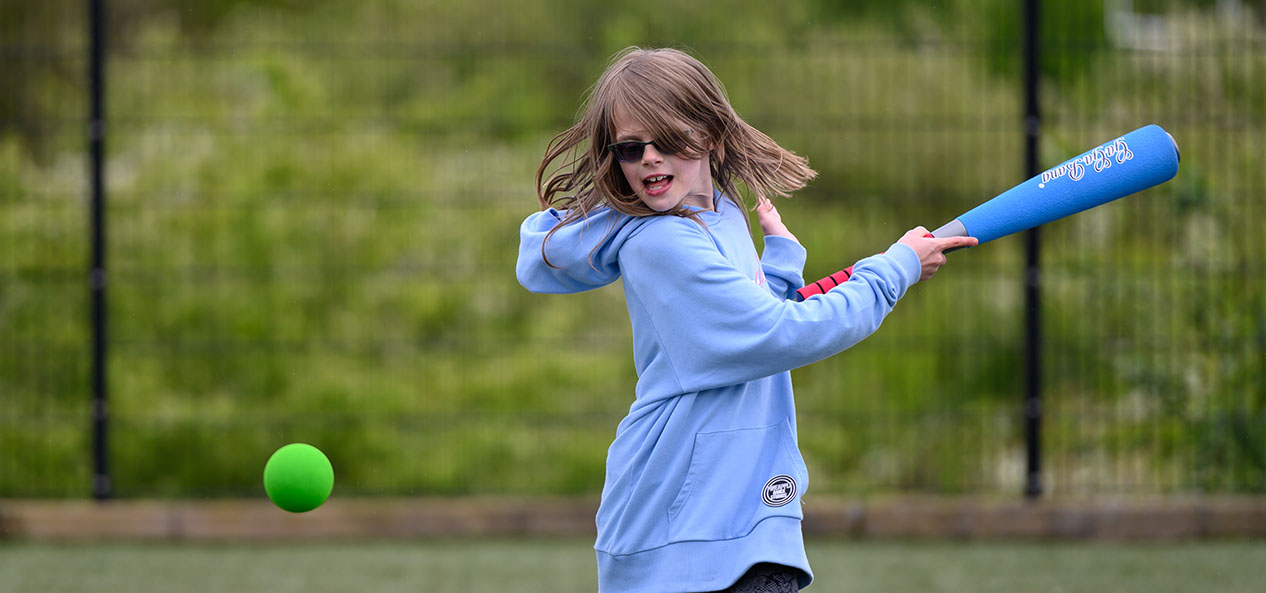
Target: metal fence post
1032,277
101,488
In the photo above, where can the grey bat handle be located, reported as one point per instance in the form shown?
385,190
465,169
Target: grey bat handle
953,228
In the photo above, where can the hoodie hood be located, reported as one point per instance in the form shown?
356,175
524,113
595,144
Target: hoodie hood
584,254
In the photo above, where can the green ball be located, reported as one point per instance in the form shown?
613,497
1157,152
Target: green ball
298,477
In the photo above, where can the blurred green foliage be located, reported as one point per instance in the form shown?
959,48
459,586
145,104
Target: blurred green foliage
313,215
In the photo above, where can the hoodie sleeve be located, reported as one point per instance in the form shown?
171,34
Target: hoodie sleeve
719,328
583,254
783,263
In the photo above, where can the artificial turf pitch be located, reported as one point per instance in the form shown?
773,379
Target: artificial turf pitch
564,565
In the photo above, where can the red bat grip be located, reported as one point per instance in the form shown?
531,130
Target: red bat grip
825,284
829,282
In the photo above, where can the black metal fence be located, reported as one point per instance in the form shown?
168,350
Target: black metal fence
310,217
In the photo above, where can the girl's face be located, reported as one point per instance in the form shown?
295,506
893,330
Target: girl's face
663,181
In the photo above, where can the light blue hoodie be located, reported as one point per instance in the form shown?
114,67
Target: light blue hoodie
705,476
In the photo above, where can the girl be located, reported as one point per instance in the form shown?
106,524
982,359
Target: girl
704,477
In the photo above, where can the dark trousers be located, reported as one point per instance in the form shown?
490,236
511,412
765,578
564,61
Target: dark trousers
767,578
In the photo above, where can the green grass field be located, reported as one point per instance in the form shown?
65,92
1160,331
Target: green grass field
565,565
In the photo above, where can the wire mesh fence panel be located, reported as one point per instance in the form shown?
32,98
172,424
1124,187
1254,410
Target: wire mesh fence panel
1155,304
44,335
313,221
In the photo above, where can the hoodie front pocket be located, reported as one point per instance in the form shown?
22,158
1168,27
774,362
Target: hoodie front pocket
738,478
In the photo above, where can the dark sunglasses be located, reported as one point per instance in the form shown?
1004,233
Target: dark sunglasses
631,151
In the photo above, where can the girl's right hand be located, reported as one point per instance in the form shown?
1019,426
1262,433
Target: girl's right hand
771,221
931,251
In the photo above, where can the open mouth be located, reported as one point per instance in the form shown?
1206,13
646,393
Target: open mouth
657,184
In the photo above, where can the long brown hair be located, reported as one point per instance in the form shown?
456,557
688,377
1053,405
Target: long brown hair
662,90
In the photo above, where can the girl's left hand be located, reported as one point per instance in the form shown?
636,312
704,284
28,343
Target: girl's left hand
771,221
931,251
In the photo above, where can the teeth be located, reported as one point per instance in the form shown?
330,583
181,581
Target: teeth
656,179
